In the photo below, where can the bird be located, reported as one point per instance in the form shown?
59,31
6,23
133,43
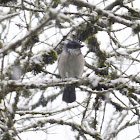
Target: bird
71,65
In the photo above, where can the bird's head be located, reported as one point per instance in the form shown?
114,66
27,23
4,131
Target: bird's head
74,45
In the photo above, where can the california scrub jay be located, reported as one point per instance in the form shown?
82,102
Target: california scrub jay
71,65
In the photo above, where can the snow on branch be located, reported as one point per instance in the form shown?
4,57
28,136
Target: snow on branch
102,85
22,8
74,126
51,14
4,17
43,83
106,13
17,43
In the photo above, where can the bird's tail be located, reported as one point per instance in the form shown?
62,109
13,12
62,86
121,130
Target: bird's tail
69,95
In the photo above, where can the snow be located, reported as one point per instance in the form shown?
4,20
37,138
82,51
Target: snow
119,80
16,72
122,51
54,11
63,1
95,79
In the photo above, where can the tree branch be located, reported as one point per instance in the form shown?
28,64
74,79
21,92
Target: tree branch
74,126
106,13
4,17
48,16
